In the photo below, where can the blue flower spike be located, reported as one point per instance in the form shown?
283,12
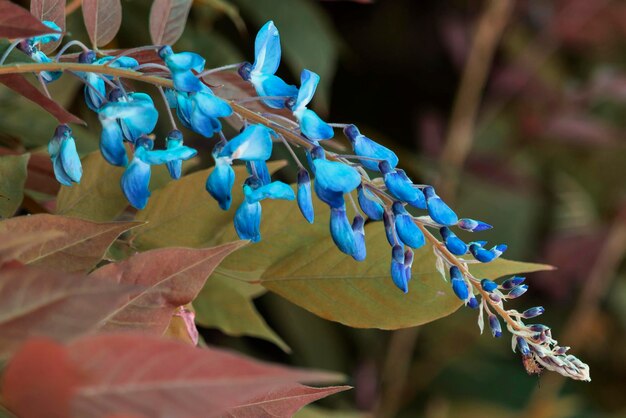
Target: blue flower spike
65,160
248,215
181,66
304,197
407,230
370,204
398,185
365,147
261,74
220,182
398,273
311,125
472,225
453,243
438,210
359,237
341,231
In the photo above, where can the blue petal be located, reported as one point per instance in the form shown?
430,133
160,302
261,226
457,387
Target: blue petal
308,85
272,85
390,229
305,200
211,105
365,147
112,144
181,152
313,127
453,243
420,202
248,221
398,276
341,231
370,204
473,225
51,37
59,172
359,238
204,125
330,197
399,187
438,210
460,289
254,143
93,84
185,61
408,232
481,254
258,168
186,81
174,140
267,50
220,183
70,160
274,190
135,182
336,176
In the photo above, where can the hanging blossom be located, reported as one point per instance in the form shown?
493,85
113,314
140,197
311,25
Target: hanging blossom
412,214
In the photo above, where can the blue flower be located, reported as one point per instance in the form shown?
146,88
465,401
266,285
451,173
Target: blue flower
173,142
333,179
131,130
254,143
458,284
138,116
437,208
48,37
305,199
453,243
199,111
359,238
488,285
248,215
258,168
180,65
533,312
266,61
398,274
311,125
517,291
473,225
407,231
65,160
341,230
365,147
371,205
398,185
485,256
220,182
95,89
512,282
136,177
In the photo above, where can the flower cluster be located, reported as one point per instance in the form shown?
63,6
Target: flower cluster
413,214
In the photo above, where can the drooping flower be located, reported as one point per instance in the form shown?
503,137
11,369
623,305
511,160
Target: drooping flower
341,231
136,178
437,208
181,65
453,243
200,110
407,230
248,215
31,46
311,125
398,273
173,142
398,185
305,199
262,73
370,204
358,232
65,160
365,147
220,182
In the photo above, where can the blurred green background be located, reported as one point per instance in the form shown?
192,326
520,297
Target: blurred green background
516,111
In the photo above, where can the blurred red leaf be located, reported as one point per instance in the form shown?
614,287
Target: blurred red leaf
579,128
40,177
167,20
16,22
13,245
138,374
50,10
168,278
37,302
79,249
19,84
103,19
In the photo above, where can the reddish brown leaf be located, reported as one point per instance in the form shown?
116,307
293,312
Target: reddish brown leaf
40,177
53,11
38,302
79,249
13,245
16,22
167,20
50,396
19,84
142,375
169,278
103,19
283,402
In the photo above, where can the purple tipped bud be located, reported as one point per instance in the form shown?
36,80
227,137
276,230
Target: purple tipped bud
494,324
538,328
533,312
473,225
351,132
488,285
472,302
495,297
512,282
87,57
517,291
165,51
317,152
522,346
499,249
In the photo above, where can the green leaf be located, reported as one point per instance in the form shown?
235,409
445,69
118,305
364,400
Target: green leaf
183,214
226,304
99,197
12,178
357,294
307,37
